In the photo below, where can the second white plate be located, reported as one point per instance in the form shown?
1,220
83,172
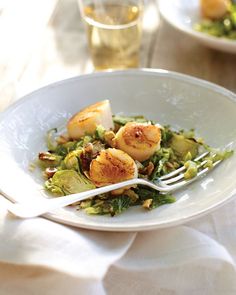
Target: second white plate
183,14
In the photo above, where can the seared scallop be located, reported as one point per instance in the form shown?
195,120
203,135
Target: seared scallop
86,121
112,166
215,9
139,140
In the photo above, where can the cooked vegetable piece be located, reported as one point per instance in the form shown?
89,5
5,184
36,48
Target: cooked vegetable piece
48,159
191,169
71,160
67,182
155,199
183,146
109,205
51,142
99,132
122,120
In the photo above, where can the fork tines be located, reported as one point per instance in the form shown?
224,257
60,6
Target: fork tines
176,179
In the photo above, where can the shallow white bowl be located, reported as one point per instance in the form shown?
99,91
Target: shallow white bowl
183,14
167,97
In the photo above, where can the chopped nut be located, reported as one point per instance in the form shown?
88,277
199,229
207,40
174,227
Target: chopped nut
50,171
139,165
88,148
176,165
46,156
147,203
108,137
148,169
132,195
64,138
170,165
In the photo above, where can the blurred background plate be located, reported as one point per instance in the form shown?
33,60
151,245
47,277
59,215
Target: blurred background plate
183,14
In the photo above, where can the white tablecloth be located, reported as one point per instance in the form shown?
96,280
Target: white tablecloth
38,256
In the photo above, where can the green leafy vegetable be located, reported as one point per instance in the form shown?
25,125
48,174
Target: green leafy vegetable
65,182
191,169
63,149
51,143
100,132
122,120
156,198
182,146
106,205
71,160
48,159
119,204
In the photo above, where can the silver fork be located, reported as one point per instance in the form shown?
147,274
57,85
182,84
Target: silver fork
165,184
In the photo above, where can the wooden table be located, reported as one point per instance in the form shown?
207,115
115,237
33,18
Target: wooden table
44,41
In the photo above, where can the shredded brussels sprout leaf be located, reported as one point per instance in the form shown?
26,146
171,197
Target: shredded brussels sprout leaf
65,182
122,120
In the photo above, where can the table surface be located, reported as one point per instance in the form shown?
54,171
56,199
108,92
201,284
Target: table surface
53,47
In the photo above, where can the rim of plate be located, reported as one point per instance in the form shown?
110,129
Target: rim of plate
192,32
138,226
135,71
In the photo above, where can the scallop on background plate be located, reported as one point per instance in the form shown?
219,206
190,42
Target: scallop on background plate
166,97
183,14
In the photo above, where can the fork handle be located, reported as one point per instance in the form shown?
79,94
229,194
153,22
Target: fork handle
33,209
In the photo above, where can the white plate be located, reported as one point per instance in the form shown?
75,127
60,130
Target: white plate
169,98
183,14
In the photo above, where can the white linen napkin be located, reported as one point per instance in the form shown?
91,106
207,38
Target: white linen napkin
38,256
84,255
197,258
180,260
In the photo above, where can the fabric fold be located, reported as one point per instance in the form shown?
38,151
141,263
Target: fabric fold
81,253
172,247
37,280
179,260
189,259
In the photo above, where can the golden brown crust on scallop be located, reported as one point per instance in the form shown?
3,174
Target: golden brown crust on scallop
87,120
139,140
112,166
